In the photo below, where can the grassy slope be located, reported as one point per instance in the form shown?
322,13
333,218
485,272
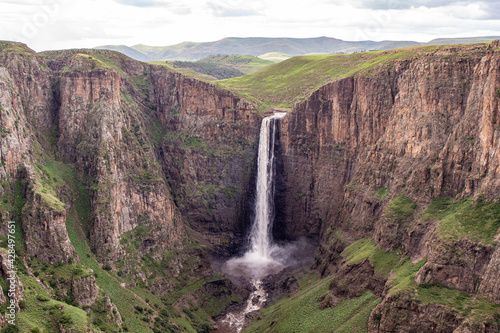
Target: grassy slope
76,224
477,309
403,270
292,80
42,311
462,219
302,313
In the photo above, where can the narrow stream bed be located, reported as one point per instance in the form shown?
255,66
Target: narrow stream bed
234,321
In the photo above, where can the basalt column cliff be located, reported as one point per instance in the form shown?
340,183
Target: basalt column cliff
404,159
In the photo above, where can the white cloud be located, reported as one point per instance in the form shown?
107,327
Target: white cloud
52,24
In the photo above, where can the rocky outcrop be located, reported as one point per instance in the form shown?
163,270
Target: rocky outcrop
410,129
26,116
490,283
401,314
44,222
84,290
460,265
114,313
79,287
26,99
355,279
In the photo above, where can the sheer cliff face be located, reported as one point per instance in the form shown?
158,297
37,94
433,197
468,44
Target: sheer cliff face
209,153
425,128
429,123
143,140
26,114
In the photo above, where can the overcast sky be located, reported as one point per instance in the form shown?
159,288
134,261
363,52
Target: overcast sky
60,24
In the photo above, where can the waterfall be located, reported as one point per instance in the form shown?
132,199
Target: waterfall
258,261
260,235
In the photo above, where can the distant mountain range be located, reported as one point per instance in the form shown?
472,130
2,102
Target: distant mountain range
257,46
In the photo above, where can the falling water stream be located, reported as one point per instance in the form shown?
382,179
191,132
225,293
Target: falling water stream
259,261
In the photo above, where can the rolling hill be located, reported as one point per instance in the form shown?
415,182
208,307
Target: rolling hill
257,46
217,67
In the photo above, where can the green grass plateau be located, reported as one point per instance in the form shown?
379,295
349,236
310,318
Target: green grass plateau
293,80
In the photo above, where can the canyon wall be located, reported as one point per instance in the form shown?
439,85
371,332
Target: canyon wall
424,127
155,170
121,160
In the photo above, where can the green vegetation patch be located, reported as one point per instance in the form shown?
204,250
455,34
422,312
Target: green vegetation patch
60,275
363,249
381,193
479,221
465,304
47,315
86,62
302,313
403,270
47,185
102,318
134,237
404,274
400,209
15,47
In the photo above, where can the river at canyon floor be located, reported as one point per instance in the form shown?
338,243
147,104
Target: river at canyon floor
250,270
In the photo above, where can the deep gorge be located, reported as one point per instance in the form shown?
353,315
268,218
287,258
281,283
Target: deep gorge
127,179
